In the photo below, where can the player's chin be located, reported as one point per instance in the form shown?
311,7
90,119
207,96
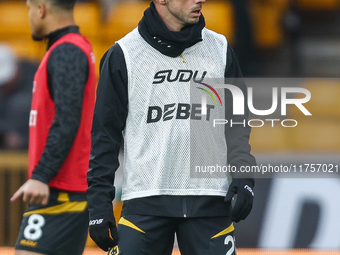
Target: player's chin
193,21
37,38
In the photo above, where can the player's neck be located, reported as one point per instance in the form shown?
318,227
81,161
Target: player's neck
59,22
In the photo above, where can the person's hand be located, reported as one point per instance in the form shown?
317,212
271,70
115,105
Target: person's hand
103,231
244,202
33,192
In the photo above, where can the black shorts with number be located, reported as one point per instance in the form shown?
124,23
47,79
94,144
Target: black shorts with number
145,235
59,228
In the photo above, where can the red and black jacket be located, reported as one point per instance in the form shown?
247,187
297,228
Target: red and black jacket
61,112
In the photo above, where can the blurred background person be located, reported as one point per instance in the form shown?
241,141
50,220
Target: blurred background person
16,80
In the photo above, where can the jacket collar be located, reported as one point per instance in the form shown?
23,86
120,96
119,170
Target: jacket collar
172,44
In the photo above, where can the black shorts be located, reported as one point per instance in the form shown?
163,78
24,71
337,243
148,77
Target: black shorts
145,235
59,228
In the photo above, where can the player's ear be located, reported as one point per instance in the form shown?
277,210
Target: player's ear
42,10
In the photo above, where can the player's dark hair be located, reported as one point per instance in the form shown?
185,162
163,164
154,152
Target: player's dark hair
66,5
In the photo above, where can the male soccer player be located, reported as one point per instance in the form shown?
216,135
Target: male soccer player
144,96
59,135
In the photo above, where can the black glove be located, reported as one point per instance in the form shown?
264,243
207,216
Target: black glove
245,195
103,231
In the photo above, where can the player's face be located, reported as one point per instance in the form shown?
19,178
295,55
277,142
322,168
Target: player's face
34,16
184,12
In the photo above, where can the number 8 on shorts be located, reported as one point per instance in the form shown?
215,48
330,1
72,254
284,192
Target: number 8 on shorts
33,229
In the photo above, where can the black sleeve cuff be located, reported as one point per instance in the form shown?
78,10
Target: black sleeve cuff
43,174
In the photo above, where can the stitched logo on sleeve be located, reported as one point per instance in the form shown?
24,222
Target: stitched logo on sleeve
95,222
249,189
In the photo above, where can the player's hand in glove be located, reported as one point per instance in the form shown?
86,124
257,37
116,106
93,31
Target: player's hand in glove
103,231
244,189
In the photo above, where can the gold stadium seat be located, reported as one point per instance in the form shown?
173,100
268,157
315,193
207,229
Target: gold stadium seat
125,16
267,23
219,16
270,139
320,131
13,173
14,19
99,48
319,5
87,16
15,30
282,5
317,135
26,48
324,102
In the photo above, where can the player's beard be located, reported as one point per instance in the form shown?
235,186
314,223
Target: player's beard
184,19
37,38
